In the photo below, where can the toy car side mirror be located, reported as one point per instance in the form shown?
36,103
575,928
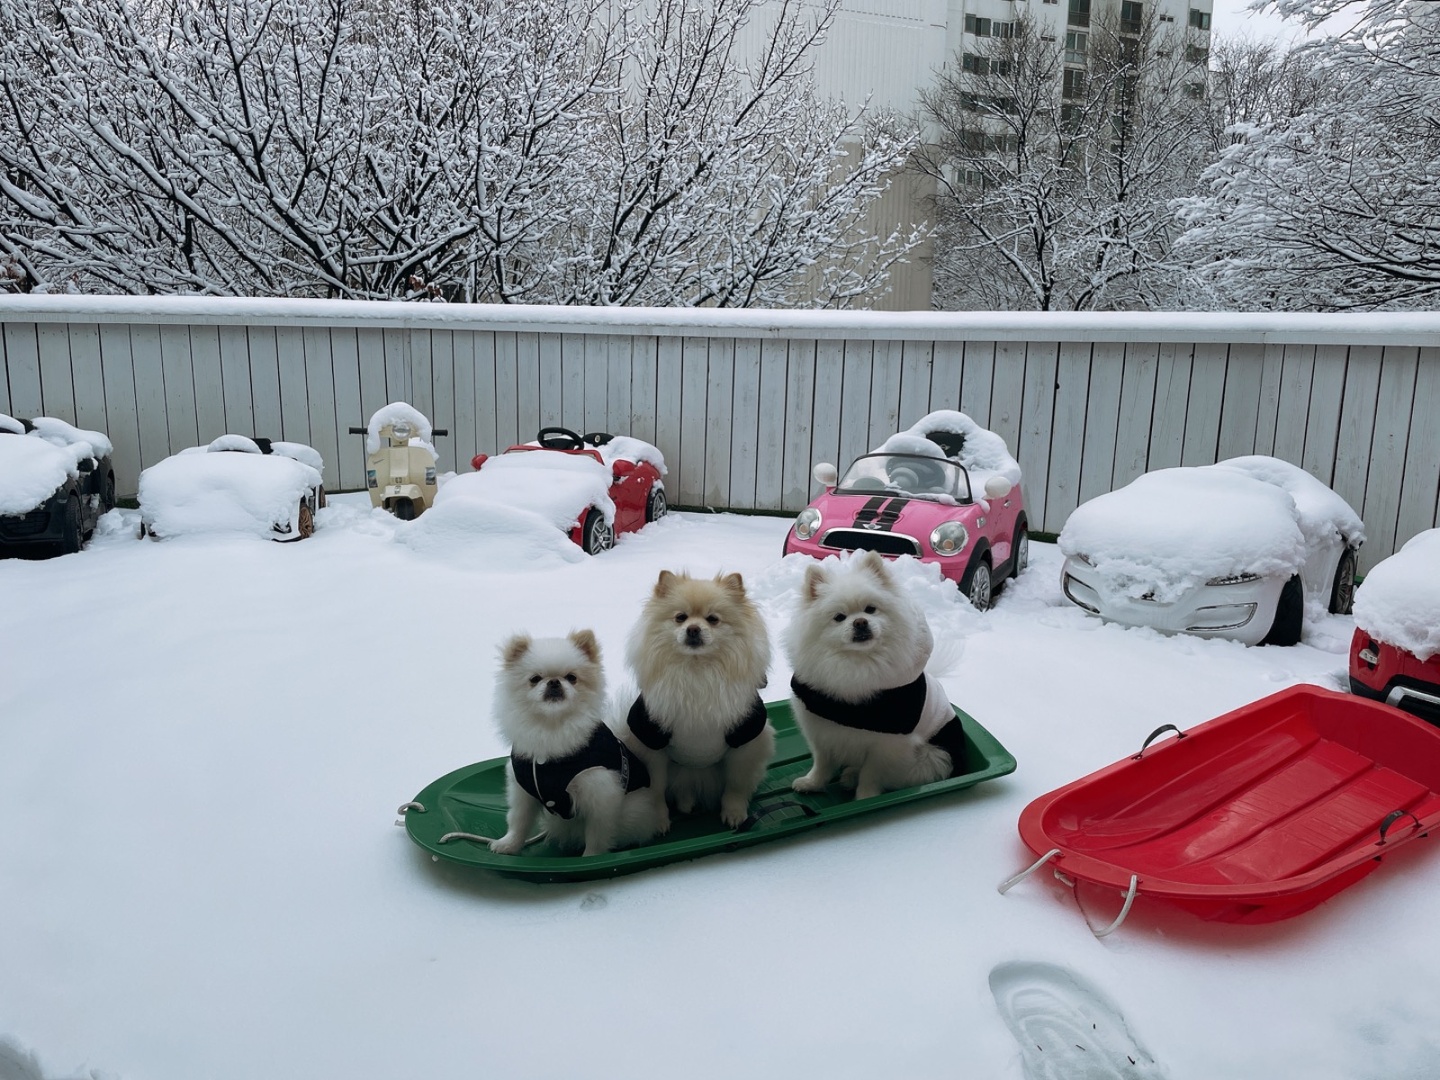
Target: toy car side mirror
478,460
826,474
997,487
622,468
86,464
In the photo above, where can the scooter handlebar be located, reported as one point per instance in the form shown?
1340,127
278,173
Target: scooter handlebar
440,431
359,431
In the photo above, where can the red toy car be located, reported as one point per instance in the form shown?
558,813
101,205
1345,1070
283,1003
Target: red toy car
593,487
1395,654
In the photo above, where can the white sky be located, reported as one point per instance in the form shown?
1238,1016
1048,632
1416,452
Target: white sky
1233,18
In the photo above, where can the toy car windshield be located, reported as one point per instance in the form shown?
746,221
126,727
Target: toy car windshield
911,475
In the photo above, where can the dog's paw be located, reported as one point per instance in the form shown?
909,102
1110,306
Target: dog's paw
662,821
733,810
808,783
508,845
850,778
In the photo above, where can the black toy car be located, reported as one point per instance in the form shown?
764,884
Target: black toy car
55,482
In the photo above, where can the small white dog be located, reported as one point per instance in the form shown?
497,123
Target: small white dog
564,761
858,647
700,653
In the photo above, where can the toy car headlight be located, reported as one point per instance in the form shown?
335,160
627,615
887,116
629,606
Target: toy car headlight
807,523
1233,579
401,430
949,538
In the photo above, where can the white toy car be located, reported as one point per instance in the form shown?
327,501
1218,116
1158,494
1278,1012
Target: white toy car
235,485
1232,550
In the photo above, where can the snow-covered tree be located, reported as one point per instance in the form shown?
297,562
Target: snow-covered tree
1338,207
1055,163
512,150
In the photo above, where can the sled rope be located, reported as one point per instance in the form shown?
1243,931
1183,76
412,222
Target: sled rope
475,838
1007,885
1125,910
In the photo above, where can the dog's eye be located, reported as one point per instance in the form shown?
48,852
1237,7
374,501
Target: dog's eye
839,616
869,609
713,620
680,616
534,680
571,679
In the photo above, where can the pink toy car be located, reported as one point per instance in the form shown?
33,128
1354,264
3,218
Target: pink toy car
945,491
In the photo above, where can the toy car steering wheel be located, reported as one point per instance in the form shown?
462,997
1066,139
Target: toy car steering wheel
568,440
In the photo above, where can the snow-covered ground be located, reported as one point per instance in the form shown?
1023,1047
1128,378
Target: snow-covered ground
203,743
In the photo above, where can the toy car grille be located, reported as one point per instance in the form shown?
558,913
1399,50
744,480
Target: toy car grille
25,524
886,543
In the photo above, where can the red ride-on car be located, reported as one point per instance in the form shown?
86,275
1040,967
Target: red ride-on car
1395,654
593,486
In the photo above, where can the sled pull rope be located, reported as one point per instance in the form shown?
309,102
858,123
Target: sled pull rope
1125,910
449,836
1006,886
405,807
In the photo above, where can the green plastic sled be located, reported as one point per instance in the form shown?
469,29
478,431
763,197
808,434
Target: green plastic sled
472,801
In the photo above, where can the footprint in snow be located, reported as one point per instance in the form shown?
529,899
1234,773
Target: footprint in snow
1066,1028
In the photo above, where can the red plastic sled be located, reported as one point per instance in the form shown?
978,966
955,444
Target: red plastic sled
1254,816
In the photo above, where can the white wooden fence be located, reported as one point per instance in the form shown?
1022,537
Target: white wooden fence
743,403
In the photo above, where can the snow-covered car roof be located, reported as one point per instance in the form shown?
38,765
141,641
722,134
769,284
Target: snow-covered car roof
556,486
626,448
1322,512
1173,529
983,453
32,468
229,486
1399,600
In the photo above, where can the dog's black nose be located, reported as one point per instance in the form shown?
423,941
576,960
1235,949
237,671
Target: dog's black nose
554,691
692,636
861,628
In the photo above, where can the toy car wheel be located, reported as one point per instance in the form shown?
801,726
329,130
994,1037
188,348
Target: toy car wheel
403,509
596,535
306,524
1289,615
655,505
1020,551
1342,593
976,585
107,494
71,539
320,497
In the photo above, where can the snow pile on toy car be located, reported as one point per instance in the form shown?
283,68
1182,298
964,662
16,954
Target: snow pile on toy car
1399,600
484,535
400,412
229,486
1172,530
31,469
557,488
982,452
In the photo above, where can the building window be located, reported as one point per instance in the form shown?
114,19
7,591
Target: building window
1076,45
1167,18
1199,19
1079,13
1197,54
1131,15
1074,85
988,27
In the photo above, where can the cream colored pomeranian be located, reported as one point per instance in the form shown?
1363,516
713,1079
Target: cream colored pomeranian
564,761
699,654
861,697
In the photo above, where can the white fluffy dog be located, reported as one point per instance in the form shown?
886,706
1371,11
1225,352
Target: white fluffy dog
700,653
564,761
861,697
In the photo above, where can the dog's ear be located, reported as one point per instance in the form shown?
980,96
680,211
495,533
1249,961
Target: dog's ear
665,583
584,640
815,579
515,648
733,583
872,563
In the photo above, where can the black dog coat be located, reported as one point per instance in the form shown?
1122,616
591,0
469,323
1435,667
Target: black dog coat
746,729
896,711
547,781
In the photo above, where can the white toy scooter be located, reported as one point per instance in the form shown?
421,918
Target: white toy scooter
400,460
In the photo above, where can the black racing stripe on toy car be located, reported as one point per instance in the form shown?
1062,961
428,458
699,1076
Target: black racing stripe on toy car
891,513
868,512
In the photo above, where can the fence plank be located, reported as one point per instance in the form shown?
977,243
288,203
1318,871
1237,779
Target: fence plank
829,397
1387,449
374,394
1420,491
776,414
209,382
1102,411
1202,411
552,380
122,418
57,382
487,432
886,376
719,405
179,378
1240,406
947,373
1294,408
294,405
398,385
234,345
1037,415
1357,425
1172,391
979,381
597,380
694,380
320,400
801,394
669,386
5,382
155,442
528,397
89,375
916,372
1072,377
1267,413
1327,388
350,449
572,379
855,371
640,424
442,395
745,429
462,435
265,380
22,368
1137,405
507,393
1007,394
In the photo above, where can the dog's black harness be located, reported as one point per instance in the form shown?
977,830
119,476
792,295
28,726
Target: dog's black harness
747,729
896,711
547,780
